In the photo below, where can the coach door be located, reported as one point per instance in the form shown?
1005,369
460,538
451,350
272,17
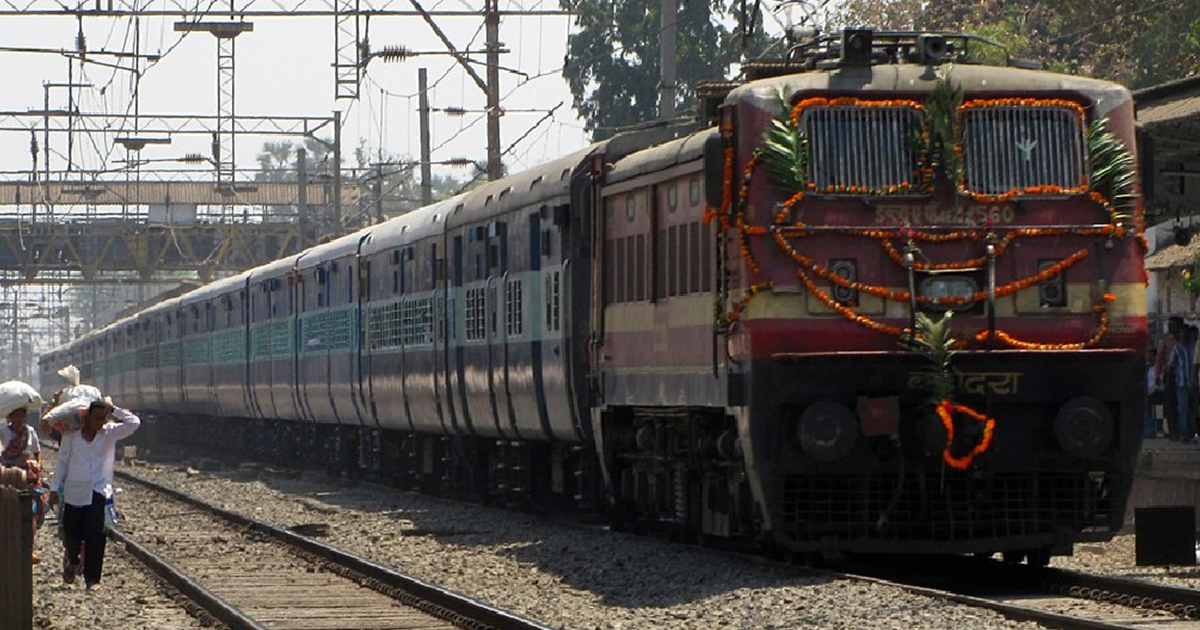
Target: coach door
437,356
501,302
456,309
443,336
361,356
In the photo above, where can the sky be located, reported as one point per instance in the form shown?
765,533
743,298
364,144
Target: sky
284,68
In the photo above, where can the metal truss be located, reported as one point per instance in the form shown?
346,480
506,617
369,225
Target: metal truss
93,248
226,117
245,9
89,122
349,48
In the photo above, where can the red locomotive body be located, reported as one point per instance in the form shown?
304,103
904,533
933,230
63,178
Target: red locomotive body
855,204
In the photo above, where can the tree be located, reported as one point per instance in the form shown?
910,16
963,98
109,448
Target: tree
1134,42
275,162
613,65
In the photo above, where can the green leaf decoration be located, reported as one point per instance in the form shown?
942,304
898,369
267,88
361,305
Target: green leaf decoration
932,341
784,149
941,111
1112,168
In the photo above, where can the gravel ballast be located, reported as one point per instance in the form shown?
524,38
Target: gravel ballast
564,576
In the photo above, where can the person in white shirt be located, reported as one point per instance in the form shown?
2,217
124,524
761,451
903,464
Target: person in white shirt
83,479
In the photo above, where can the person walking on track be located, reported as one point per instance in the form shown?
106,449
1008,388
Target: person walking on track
83,479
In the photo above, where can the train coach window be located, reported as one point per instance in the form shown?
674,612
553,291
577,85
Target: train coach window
694,191
630,208
552,301
622,260
640,272
672,197
514,321
475,314
660,270
491,310
668,261
694,259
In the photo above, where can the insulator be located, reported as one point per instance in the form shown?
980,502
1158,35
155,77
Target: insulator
80,42
392,53
454,111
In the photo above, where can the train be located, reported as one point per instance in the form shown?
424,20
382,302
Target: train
884,295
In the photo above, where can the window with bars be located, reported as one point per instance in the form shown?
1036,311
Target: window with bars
514,316
865,147
383,326
476,317
553,293
417,322
1008,148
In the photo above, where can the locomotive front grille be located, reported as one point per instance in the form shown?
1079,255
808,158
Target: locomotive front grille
936,509
1007,148
869,148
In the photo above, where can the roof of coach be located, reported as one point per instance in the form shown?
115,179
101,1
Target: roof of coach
273,269
663,156
162,306
110,328
411,226
521,189
215,288
340,247
911,77
128,321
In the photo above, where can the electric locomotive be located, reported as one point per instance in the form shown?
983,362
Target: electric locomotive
885,295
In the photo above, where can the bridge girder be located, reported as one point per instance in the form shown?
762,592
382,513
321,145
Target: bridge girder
93,249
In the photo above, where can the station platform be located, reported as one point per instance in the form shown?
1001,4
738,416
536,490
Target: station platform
1167,474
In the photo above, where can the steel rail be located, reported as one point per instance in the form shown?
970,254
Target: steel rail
432,599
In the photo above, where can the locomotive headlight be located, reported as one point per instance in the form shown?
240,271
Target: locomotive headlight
957,290
827,431
1084,427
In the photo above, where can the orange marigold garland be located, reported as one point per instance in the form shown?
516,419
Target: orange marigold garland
1009,195
946,410
847,312
735,313
733,213
1100,309
922,176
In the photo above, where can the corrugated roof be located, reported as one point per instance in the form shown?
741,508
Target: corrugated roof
1174,256
1170,111
177,192
1168,102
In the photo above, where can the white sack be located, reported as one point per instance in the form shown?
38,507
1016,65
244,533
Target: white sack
65,417
14,395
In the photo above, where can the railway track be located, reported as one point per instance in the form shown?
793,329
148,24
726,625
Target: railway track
251,575
1052,597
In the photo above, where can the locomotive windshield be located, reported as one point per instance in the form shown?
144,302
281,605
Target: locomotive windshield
861,147
1022,147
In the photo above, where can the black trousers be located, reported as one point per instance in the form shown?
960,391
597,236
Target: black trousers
84,526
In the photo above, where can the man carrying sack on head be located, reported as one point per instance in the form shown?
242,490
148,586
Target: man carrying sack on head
83,479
